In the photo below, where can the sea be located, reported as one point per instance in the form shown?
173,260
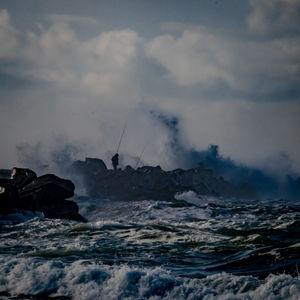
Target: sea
198,248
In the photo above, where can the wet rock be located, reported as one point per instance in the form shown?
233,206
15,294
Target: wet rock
23,177
47,189
92,165
64,209
9,196
153,183
47,194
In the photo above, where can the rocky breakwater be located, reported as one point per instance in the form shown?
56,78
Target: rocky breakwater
153,182
21,189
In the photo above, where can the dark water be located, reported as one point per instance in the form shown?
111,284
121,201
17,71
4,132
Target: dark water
214,249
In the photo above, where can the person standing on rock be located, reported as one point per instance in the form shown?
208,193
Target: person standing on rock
115,161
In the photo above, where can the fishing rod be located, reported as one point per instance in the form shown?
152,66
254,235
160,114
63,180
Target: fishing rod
141,156
124,129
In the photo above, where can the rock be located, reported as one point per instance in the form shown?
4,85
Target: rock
9,196
93,165
23,177
153,182
47,194
47,189
65,209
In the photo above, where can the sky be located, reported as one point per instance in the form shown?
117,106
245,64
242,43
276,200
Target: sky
74,73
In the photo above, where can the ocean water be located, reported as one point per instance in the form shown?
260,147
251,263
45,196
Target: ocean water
213,248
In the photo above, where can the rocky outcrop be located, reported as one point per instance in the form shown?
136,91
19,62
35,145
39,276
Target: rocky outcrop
153,182
9,195
47,194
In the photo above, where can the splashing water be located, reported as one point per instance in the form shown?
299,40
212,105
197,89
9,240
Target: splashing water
213,249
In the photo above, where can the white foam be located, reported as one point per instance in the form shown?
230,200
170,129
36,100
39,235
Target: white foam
89,280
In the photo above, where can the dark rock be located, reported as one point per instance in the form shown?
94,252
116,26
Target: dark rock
93,165
153,182
47,189
65,209
47,194
23,177
9,196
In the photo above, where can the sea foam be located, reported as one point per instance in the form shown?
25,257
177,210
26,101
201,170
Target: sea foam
86,280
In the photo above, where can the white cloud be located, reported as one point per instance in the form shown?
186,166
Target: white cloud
8,36
51,46
196,56
249,67
99,66
110,60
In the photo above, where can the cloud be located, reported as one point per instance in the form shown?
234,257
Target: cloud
274,16
110,60
83,91
175,27
96,66
90,88
194,57
8,36
198,56
64,18
254,68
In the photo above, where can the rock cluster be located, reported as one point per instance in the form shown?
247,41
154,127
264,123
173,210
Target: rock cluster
153,182
23,190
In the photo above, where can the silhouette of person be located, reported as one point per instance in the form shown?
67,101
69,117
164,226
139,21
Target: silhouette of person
115,161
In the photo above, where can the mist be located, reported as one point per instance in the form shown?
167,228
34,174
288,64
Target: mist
188,94
265,180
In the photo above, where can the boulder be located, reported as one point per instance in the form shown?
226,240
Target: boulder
47,194
47,189
9,196
65,209
23,177
92,165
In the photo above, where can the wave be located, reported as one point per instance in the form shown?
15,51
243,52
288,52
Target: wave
86,280
213,249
